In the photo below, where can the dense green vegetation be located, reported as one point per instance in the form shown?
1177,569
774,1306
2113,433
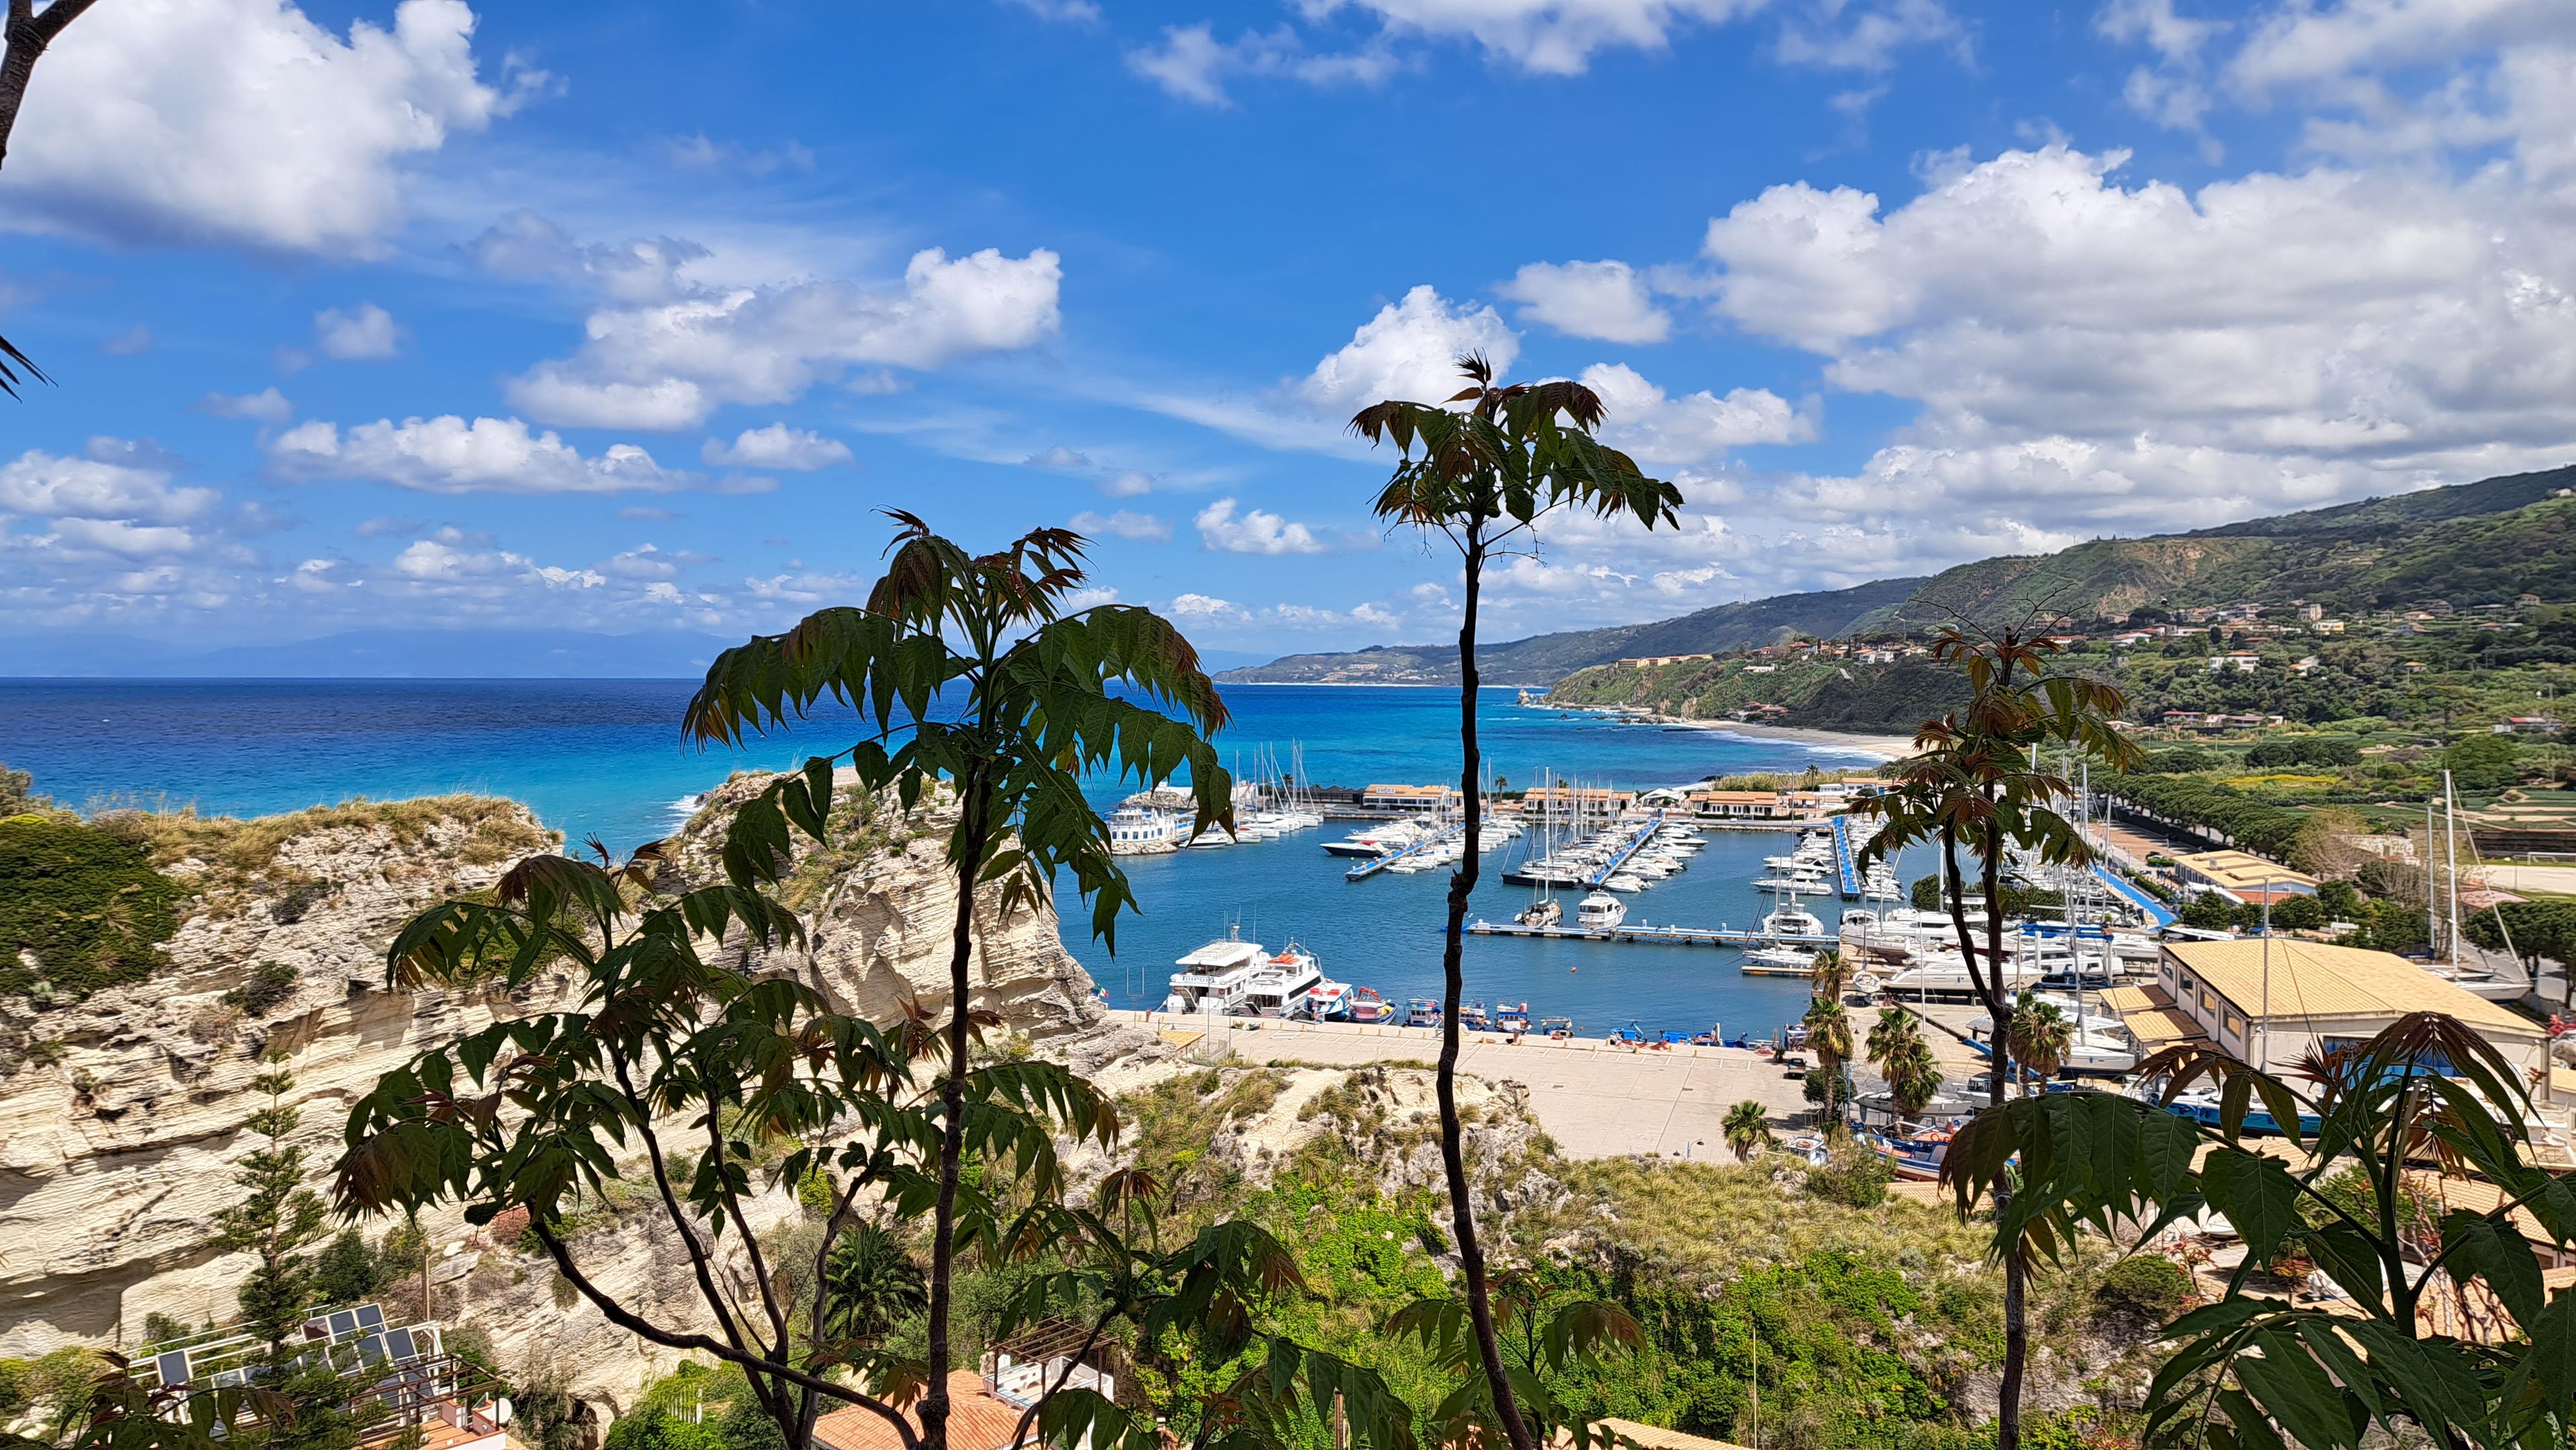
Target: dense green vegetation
1869,1325
86,906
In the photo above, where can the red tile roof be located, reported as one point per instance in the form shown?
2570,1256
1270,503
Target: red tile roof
978,1419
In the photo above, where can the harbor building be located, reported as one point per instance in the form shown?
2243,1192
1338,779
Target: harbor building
2275,1002
1739,805
1408,798
2242,876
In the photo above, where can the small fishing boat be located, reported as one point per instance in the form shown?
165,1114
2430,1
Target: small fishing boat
1633,1033
1511,1018
1472,1018
1917,1158
1421,1012
1558,1028
1367,1006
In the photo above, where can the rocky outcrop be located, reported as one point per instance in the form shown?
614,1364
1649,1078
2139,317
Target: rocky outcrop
120,1116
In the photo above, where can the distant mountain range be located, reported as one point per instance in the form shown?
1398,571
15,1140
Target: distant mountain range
2469,543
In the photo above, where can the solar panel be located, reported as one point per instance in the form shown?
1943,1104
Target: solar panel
370,1317
400,1341
173,1368
343,1324
371,1350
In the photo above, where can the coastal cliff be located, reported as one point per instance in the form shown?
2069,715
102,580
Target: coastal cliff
121,1111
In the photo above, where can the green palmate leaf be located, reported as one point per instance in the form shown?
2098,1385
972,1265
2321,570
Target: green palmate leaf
2294,1389
2496,1252
2257,1194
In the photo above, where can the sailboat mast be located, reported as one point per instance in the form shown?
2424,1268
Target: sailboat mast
2451,857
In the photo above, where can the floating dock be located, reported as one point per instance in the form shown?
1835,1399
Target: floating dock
2136,895
1375,864
1677,936
1619,858
1845,865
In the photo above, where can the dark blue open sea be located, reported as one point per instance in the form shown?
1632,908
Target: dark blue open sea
605,758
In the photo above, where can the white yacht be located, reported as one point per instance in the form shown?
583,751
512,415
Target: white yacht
1949,974
1779,961
1217,977
1285,984
1623,881
1376,840
1788,918
1600,911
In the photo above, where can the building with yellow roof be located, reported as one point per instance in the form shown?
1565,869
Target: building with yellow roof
2275,1001
2243,877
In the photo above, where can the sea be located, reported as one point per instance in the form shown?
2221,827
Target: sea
605,759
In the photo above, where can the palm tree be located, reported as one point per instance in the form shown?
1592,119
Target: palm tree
1973,781
982,636
1831,975
1829,1035
1481,474
1914,1078
2041,1037
1748,1129
870,1285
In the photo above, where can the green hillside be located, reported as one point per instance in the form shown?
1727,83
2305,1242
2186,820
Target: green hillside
2477,543
2468,545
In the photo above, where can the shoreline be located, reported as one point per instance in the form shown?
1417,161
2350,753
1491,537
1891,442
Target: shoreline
1883,747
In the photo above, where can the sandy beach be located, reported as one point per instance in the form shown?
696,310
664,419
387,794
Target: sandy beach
1885,747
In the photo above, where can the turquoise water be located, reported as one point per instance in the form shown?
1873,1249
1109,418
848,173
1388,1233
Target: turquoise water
605,758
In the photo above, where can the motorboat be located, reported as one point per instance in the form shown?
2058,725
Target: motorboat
1622,881
1367,1006
2202,1105
1864,989
1791,919
1377,840
1330,1001
1777,961
1284,984
1948,975
1217,977
1600,911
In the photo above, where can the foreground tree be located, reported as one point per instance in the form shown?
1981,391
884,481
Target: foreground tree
1481,469
1972,783
968,682
982,634
275,1219
2456,1341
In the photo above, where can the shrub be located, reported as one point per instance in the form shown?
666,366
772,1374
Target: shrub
1851,1175
347,1271
270,983
744,1427
86,907
2144,1284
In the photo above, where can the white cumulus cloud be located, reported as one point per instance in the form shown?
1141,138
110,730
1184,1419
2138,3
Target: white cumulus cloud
777,446
1254,531
363,333
1640,419
1410,350
1607,301
451,455
670,365
244,121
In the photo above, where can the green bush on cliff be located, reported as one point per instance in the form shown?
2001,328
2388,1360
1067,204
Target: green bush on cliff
87,908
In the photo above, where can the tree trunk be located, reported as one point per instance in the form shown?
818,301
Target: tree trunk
1999,1006
1462,885
952,1128
28,35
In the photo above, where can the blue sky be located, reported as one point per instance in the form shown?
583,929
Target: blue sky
625,318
